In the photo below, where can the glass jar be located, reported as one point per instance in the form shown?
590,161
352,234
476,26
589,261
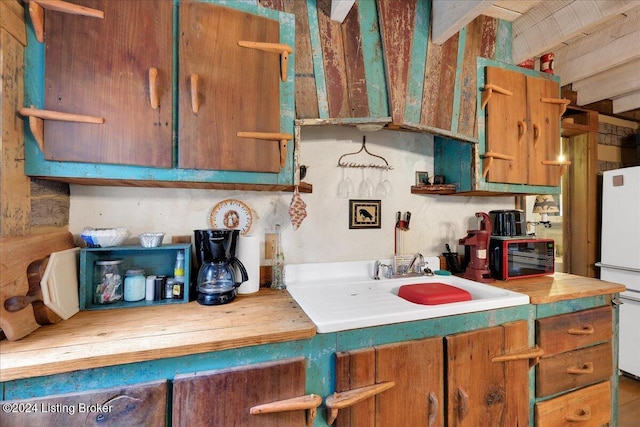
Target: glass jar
134,284
277,271
107,279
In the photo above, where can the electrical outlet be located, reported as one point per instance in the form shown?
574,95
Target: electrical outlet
269,243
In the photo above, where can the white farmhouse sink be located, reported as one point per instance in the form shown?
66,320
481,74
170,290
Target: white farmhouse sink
342,295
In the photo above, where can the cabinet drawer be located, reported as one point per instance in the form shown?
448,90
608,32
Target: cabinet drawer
574,369
587,407
571,331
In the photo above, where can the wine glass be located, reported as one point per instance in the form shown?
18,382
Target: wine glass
381,189
366,186
345,187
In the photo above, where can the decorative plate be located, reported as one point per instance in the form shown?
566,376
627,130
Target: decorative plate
231,214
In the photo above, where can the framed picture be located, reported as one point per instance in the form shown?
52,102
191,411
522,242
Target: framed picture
422,178
364,214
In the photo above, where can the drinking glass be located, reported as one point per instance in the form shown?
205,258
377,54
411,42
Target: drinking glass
381,189
345,187
366,186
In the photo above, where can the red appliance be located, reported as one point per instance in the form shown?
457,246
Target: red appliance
476,245
513,258
433,293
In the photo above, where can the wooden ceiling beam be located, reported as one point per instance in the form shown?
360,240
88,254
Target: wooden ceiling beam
450,16
538,31
608,84
340,9
626,103
603,56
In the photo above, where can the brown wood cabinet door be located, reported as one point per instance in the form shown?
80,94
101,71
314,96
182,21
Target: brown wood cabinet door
507,126
482,392
237,90
417,399
544,143
100,67
224,398
139,405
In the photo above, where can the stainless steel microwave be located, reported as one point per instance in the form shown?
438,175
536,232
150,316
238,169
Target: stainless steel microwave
517,257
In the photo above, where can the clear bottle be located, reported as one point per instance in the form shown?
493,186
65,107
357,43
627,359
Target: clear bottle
277,272
178,270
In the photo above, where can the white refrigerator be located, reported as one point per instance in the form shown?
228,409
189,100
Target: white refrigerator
620,256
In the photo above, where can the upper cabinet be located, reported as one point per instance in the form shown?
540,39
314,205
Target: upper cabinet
101,68
203,101
518,147
522,128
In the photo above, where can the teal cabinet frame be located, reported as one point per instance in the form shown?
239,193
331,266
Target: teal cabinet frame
37,166
461,162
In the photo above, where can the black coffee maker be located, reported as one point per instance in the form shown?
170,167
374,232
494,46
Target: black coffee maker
217,266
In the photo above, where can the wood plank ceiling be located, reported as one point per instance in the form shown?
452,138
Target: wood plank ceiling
596,43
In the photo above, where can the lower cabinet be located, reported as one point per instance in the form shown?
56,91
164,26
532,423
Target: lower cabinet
573,378
268,394
138,405
485,374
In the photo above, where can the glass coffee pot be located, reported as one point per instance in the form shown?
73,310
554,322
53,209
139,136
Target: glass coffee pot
217,277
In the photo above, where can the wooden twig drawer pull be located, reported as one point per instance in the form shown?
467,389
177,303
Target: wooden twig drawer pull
57,115
349,398
487,163
489,88
534,354
195,99
154,98
36,12
586,368
581,416
562,163
283,138
587,330
309,402
563,102
282,49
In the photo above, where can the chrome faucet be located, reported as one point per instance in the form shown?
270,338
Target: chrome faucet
376,270
421,264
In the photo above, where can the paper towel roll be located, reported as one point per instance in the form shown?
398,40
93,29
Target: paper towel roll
249,256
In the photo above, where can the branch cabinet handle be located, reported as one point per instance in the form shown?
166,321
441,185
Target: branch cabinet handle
195,100
36,12
283,138
586,368
522,130
581,416
433,409
536,134
153,88
349,398
533,354
309,402
282,49
463,404
587,330
489,88
487,162
562,102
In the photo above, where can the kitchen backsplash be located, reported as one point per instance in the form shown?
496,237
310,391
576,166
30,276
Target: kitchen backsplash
324,234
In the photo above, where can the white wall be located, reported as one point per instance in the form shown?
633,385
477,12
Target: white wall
324,235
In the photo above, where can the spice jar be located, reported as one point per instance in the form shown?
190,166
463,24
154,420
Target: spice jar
107,279
134,284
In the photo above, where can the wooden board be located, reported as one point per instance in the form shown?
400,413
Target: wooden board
238,90
15,201
497,393
504,113
594,400
16,254
101,69
89,339
356,78
225,397
142,404
397,26
439,78
334,61
355,369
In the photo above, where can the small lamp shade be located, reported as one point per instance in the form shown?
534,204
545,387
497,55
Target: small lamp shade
544,205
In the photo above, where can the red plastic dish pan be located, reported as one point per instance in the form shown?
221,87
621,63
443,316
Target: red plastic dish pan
433,293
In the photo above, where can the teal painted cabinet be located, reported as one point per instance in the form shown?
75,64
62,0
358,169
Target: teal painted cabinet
462,358
211,112
517,151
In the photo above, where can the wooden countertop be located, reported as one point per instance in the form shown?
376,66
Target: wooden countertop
100,338
559,287
93,339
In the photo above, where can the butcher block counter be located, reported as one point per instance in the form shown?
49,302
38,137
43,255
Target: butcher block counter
559,287
100,338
